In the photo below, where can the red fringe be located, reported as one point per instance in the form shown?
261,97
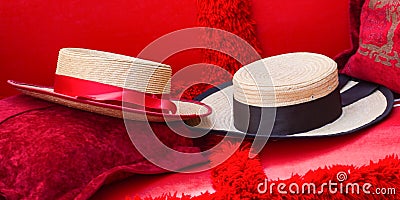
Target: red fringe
239,176
235,17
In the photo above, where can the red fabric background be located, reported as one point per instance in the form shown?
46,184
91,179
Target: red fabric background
32,31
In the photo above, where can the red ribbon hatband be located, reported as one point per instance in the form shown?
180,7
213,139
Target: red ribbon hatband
99,92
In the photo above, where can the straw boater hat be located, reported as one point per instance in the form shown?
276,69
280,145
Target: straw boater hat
108,83
294,95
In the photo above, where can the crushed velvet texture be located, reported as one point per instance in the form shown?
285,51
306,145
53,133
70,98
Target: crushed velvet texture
48,151
375,41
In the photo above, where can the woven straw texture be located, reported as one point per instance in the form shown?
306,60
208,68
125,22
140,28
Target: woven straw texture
183,108
120,71
114,69
286,79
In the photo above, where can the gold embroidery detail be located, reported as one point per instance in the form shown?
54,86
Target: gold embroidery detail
384,54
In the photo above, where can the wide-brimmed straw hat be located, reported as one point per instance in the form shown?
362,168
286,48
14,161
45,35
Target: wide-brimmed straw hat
108,83
294,95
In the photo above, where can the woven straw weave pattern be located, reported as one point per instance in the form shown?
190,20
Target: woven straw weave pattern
285,80
114,69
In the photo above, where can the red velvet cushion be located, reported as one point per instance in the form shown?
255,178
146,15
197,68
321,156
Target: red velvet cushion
377,46
48,151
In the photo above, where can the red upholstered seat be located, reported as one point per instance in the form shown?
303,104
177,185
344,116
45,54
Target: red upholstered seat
280,160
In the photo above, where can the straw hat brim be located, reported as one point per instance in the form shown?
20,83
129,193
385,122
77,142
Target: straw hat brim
356,116
186,109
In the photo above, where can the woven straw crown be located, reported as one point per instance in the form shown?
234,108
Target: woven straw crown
285,80
114,69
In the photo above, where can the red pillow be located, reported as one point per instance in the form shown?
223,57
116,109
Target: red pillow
48,151
376,43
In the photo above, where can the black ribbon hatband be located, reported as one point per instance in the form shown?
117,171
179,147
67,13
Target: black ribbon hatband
288,119
301,117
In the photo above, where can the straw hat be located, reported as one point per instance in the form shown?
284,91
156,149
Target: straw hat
294,95
108,83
